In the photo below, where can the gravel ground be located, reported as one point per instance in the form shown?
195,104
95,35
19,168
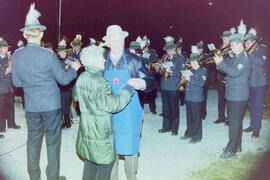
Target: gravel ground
162,156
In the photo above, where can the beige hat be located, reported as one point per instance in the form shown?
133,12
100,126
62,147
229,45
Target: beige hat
114,30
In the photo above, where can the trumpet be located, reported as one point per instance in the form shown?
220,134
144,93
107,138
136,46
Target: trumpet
182,85
152,68
164,72
218,52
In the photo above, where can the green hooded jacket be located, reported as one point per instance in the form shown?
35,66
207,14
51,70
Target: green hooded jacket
95,140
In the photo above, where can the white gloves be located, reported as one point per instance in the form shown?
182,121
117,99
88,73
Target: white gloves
137,83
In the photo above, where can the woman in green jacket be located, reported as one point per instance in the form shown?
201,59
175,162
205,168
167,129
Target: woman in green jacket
95,141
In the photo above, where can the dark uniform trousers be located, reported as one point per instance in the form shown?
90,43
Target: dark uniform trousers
7,110
66,98
194,120
37,121
92,171
235,112
221,99
255,103
170,110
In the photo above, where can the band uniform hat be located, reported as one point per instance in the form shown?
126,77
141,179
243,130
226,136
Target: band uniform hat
32,21
169,43
193,57
236,38
62,45
251,35
114,30
200,45
77,41
3,43
134,45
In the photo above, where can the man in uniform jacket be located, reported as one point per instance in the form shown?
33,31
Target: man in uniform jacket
221,81
169,92
206,84
194,99
121,66
6,90
237,92
258,81
38,70
65,91
95,141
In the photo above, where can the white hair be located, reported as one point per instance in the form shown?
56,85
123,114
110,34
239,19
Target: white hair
92,55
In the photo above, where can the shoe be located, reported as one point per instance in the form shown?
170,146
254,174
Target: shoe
185,137
68,122
154,112
226,123
249,129
219,121
203,117
1,136
15,126
226,155
3,130
238,150
174,133
164,130
255,134
194,141
160,114
62,178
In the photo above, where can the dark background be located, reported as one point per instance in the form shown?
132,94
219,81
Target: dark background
194,20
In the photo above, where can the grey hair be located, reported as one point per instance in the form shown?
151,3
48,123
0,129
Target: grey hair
92,55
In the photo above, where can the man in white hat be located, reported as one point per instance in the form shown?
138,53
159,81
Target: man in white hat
258,80
122,66
38,70
237,92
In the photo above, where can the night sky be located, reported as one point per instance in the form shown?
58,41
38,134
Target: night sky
194,20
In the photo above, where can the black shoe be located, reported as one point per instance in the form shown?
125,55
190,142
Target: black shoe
68,122
238,150
174,133
154,112
194,141
219,121
255,134
3,130
226,155
249,129
160,114
15,126
185,137
164,130
227,123
1,136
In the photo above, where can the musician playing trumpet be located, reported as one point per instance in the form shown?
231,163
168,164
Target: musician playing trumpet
258,80
173,64
236,93
194,97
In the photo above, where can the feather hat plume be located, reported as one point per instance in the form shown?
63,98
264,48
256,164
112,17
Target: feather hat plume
242,28
32,21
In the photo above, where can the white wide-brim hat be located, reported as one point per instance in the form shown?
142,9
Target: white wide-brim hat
114,30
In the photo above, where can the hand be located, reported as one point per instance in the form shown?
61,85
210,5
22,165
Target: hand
187,77
137,83
168,69
76,65
156,67
218,59
8,70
